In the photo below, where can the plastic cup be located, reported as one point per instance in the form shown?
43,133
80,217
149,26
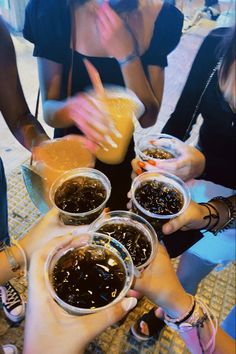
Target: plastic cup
133,231
123,107
101,272
54,157
160,192
157,147
73,197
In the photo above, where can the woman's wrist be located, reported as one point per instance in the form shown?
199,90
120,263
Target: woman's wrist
180,304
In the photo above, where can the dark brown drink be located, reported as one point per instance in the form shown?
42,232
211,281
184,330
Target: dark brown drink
80,195
134,240
89,277
158,153
158,198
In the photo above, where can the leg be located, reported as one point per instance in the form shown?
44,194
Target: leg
4,235
192,270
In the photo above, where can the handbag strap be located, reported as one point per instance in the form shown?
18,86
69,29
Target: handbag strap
196,111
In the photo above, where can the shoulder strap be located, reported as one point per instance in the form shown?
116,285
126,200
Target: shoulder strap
196,111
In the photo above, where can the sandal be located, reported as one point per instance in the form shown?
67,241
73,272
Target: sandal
155,325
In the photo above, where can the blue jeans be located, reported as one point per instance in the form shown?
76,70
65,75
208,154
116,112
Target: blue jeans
4,235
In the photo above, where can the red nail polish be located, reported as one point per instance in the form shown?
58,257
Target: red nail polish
138,171
151,162
141,164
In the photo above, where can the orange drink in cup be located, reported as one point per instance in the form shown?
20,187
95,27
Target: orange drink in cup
123,107
54,157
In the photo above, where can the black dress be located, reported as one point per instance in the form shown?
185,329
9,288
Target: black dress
47,25
218,131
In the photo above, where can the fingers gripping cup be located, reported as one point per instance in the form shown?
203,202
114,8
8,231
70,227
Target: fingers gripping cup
156,147
80,195
133,231
84,280
123,107
159,197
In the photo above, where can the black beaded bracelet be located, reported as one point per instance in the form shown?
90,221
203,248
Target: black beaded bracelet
210,216
231,214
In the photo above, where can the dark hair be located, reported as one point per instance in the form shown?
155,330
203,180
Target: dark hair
117,5
227,50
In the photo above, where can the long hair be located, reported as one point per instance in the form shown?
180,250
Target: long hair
227,71
117,5
227,50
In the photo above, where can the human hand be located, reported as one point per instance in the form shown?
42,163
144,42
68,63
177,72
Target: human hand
115,38
160,284
47,228
190,163
90,116
191,219
49,328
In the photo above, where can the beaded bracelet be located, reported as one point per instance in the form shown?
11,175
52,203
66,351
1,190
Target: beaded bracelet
231,214
210,216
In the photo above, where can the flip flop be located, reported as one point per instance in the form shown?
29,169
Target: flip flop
155,325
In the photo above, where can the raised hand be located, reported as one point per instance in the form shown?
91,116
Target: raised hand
116,39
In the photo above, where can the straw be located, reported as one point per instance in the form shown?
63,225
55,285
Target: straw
101,93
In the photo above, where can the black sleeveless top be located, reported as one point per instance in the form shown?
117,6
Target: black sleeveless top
48,27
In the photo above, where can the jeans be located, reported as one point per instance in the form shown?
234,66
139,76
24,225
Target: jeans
4,235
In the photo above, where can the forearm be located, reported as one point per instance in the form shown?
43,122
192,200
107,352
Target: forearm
56,115
28,131
6,272
135,79
221,213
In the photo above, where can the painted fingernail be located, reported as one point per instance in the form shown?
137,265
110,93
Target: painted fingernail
151,162
138,171
110,141
141,164
115,131
129,303
153,142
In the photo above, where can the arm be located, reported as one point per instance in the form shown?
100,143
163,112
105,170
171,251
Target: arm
13,106
119,43
60,331
46,229
160,283
196,216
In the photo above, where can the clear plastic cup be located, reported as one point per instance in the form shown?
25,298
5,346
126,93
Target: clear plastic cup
164,146
159,198
123,107
133,231
84,217
100,248
54,157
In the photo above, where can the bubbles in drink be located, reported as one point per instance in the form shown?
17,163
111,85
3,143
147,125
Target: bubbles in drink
89,277
134,240
159,198
158,153
80,194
